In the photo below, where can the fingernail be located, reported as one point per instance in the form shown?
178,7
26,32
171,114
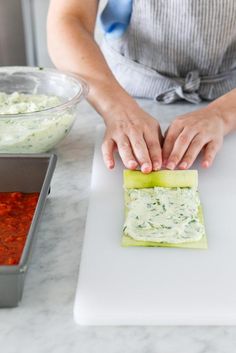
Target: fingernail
156,166
110,164
132,164
183,165
164,162
205,164
170,165
146,167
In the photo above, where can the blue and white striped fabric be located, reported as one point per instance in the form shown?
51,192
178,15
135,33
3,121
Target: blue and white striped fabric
115,17
173,49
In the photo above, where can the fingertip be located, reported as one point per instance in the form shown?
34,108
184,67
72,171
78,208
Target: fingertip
146,168
164,162
205,164
156,166
183,165
110,164
132,164
170,165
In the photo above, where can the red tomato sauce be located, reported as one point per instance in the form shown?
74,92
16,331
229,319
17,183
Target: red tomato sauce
16,213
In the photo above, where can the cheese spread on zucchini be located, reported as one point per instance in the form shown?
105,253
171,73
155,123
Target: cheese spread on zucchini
168,215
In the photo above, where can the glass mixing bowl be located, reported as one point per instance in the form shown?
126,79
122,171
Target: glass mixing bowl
41,130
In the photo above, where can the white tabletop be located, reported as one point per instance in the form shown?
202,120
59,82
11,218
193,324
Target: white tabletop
43,322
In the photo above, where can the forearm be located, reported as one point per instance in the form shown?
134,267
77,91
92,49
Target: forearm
225,107
131,130
72,48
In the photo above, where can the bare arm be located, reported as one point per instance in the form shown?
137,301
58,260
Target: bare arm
72,47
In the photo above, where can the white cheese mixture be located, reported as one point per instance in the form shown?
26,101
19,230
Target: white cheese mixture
19,103
167,215
31,134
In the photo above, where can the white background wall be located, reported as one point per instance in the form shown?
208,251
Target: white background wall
39,10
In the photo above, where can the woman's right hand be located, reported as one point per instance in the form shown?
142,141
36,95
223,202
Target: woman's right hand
137,137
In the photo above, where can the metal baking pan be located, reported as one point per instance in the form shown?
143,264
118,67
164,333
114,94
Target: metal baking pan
24,173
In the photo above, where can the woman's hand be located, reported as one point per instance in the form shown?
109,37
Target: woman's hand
191,133
137,137
203,129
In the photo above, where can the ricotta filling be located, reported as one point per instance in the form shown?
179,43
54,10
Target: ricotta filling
20,103
168,215
31,134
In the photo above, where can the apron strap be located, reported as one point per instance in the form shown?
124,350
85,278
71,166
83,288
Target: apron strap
187,91
188,88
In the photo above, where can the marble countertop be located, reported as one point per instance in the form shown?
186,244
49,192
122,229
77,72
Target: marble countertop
43,322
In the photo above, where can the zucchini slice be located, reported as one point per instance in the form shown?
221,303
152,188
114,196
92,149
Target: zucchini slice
163,178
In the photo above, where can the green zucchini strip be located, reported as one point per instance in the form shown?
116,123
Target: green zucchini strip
134,179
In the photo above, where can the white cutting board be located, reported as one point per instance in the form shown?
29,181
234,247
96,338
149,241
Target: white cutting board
159,286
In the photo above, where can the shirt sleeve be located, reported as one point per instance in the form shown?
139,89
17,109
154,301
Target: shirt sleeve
115,17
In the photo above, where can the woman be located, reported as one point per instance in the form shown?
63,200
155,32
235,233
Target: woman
168,50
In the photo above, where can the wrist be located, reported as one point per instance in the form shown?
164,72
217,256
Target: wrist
110,100
225,108
216,112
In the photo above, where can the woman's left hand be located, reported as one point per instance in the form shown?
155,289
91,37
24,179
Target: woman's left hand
191,133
